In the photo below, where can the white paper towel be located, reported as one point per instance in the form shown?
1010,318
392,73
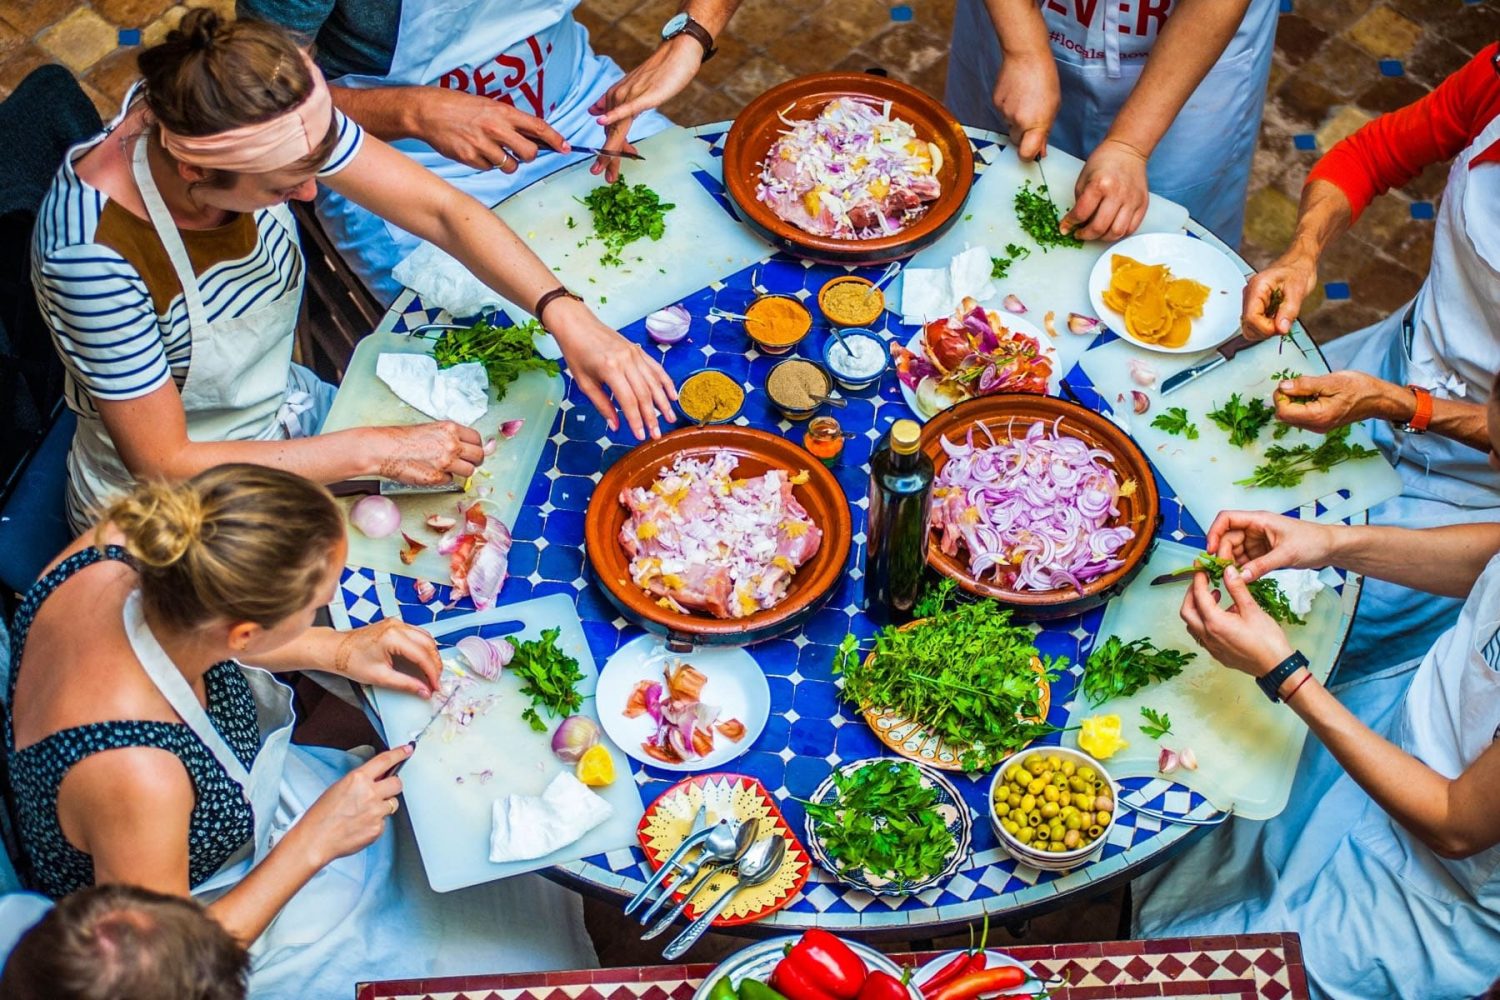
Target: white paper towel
533,826
441,281
457,393
934,293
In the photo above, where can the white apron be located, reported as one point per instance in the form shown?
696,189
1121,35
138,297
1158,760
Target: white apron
370,915
240,384
531,54
1101,46
1453,348
1380,915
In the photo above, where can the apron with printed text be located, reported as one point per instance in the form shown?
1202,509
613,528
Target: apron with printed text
530,54
240,384
1452,348
1100,46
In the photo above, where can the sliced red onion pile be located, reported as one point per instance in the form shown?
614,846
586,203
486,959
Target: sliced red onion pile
1033,512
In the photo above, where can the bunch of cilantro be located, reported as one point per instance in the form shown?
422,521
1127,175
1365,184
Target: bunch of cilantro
964,672
883,819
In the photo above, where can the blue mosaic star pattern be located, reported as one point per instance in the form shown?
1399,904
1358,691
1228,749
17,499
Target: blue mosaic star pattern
813,730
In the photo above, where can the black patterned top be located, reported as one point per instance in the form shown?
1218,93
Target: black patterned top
221,820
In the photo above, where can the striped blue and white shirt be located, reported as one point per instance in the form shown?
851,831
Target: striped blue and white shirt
116,310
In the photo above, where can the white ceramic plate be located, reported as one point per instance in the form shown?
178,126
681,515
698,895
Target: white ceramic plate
735,683
993,960
1019,324
1188,257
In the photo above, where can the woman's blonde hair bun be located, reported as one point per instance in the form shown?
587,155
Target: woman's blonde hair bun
161,524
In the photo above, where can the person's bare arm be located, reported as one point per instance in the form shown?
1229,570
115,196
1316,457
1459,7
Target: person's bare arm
1026,93
394,187
372,655
150,433
1112,192
1322,402
1322,217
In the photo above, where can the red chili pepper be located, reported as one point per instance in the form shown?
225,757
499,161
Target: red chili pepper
883,986
826,963
971,985
792,981
977,963
944,975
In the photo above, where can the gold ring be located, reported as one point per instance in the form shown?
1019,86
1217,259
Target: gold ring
395,805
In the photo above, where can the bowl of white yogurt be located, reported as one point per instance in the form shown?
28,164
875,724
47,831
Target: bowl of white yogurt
859,360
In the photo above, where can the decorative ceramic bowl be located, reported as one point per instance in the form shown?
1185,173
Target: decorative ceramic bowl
1015,412
781,347
1052,861
758,452
758,127
851,382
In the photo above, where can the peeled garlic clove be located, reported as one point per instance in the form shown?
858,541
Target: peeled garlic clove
1189,759
1081,324
511,428
1143,373
1013,305
1139,401
438,522
1167,761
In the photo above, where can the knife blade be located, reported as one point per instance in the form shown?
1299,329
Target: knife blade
596,151
387,488
1224,352
425,730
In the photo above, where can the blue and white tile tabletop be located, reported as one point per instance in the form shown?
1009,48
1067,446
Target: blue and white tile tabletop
812,730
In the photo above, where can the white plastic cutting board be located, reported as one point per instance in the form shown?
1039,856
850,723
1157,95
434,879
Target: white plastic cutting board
1203,472
701,244
1247,747
1057,280
452,819
363,400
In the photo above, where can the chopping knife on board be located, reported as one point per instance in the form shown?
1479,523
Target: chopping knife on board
387,488
424,731
1224,352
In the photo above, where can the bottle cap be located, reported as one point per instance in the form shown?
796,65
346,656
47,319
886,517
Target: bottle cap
905,436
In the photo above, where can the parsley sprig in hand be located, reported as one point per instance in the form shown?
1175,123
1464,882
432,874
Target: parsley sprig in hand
1267,592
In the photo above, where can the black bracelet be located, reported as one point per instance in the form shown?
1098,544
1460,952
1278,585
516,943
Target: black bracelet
560,292
1271,682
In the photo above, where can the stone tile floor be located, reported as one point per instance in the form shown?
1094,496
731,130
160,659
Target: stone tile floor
1338,63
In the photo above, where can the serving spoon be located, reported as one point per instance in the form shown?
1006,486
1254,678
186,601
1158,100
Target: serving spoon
698,831
718,853
759,864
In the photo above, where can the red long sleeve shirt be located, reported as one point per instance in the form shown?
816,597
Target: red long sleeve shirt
1391,150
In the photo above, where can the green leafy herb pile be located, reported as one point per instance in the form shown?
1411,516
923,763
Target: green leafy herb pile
965,673
1037,214
1175,421
624,214
551,678
1157,724
883,819
1000,266
1243,420
1286,466
505,351
1267,593
1118,669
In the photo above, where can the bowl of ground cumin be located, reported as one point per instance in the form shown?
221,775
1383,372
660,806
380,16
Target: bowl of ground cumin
710,397
798,387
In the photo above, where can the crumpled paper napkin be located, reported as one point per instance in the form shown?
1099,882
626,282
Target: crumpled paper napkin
930,293
533,826
458,393
441,281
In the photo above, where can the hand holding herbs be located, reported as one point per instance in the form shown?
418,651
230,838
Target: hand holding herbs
550,678
1118,669
623,214
505,351
1267,592
965,673
883,819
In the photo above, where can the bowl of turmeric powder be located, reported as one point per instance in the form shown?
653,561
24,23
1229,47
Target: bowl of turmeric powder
707,396
777,323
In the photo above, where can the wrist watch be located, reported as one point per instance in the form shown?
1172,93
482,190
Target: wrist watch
1270,683
1422,417
683,24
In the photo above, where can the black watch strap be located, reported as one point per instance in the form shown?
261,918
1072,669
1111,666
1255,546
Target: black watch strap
701,33
560,292
1271,683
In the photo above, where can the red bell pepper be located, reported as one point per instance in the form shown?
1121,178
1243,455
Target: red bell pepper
883,986
821,962
972,985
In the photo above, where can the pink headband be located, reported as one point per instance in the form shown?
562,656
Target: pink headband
265,146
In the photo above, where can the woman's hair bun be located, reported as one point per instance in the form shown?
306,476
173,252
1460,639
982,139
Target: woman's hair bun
199,28
161,523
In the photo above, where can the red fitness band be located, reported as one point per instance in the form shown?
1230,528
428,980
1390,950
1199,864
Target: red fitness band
1296,689
1423,415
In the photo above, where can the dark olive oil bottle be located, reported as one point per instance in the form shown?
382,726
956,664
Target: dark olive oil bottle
896,537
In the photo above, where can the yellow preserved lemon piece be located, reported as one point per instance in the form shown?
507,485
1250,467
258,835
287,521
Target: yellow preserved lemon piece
647,529
596,768
879,188
1099,736
672,580
1187,295
1158,308
800,478
794,529
784,563
813,200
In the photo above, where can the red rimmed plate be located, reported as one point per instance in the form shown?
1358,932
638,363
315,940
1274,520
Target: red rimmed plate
666,823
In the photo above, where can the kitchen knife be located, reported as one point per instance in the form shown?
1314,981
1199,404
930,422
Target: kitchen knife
387,488
596,151
1224,352
425,729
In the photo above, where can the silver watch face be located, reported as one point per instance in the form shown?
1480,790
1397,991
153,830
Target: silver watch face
675,26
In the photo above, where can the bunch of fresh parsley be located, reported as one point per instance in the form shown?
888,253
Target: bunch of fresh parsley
623,214
505,351
883,819
965,673
1267,592
551,678
1118,669
1000,266
1175,421
1285,467
1037,214
1243,420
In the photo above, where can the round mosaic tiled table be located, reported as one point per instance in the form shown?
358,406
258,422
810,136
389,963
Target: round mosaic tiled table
811,730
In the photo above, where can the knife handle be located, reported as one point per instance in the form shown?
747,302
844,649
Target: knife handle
1235,345
354,487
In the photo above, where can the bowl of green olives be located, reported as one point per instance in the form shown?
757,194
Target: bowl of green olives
1052,807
